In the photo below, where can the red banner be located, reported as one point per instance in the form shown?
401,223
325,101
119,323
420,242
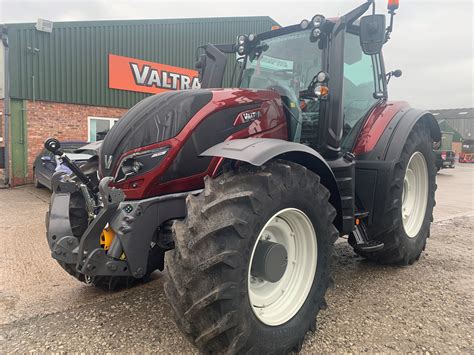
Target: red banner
138,75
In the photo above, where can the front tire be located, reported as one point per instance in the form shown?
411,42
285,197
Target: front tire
212,273
410,203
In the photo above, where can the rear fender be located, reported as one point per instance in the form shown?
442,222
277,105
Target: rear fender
408,121
391,142
258,151
374,170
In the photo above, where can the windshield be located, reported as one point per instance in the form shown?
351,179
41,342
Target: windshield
290,61
287,64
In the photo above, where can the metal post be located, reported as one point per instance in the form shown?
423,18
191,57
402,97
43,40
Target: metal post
6,106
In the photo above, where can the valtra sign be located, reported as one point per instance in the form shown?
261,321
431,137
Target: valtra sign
138,75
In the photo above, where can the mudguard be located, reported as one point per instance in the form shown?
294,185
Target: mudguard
257,151
390,143
374,169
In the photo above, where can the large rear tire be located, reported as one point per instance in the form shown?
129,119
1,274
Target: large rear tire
410,204
222,299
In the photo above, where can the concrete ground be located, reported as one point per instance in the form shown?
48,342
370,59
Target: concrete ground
426,307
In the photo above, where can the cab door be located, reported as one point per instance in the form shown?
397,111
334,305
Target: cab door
363,87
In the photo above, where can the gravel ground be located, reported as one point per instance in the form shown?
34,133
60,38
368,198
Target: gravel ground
426,307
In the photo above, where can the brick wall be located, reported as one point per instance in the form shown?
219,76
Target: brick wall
62,121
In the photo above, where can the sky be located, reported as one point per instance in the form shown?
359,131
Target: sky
432,41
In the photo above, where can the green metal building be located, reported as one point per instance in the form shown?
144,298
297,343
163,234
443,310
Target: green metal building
59,78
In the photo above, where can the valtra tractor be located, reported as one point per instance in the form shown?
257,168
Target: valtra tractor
239,194
467,151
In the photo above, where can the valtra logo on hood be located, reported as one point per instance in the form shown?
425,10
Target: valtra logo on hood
138,75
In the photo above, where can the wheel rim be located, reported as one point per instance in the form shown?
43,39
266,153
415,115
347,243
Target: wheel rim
275,303
415,194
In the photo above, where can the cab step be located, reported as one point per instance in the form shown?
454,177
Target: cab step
369,247
363,243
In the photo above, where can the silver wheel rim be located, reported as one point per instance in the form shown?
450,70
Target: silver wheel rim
415,194
275,303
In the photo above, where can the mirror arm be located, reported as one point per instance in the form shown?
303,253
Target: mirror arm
390,26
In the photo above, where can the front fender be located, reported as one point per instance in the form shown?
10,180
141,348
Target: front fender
258,151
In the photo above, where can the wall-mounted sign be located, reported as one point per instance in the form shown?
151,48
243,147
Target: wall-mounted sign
138,75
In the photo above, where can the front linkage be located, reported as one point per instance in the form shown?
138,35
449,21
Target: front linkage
85,253
137,247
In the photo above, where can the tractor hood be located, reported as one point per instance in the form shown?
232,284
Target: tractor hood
152,120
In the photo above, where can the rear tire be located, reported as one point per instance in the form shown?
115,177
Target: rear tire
208,278
409,226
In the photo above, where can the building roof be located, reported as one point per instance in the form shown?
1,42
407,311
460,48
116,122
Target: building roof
63,24
455,113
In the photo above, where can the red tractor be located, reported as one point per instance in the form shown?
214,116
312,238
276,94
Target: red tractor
467,153
240,193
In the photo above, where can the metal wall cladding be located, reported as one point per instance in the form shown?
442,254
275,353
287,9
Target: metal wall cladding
71,63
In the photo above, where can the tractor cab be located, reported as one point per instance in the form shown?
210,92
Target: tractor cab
328,72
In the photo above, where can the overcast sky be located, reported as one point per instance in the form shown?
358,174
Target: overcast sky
432,41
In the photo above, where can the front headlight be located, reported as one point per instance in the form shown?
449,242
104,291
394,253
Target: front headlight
139,163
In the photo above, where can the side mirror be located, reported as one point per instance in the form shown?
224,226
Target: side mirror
397,73
211,67
394,73
372,33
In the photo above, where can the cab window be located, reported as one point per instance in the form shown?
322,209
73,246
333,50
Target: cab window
360,84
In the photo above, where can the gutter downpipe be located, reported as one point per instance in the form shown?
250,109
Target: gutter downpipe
6,107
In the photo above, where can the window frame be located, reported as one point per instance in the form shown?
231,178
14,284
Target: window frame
111,120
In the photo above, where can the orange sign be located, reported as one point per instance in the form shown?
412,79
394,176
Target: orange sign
138,75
